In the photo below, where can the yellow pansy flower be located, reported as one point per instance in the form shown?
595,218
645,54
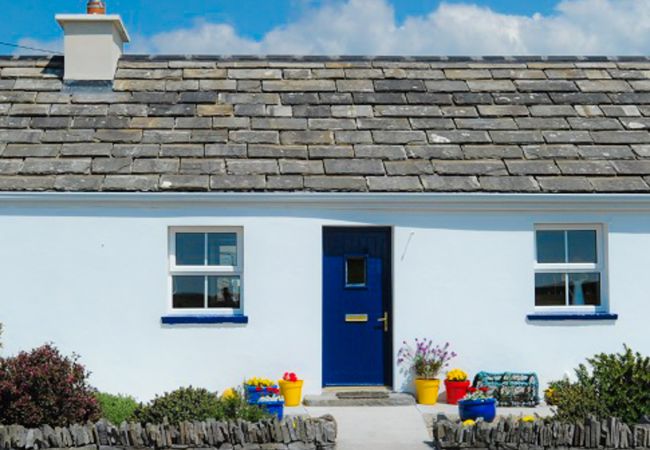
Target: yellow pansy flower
456,375
229,394
261,382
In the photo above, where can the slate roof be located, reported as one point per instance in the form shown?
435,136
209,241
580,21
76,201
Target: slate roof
329,124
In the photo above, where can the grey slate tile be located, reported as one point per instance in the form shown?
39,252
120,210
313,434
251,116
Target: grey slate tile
619,184
394,184
398,125
237,182
484,167
354,167
509,184
335,183
458,137
434,151
564,184
606,152
450,183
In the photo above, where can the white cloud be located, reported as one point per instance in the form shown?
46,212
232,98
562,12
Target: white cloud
338,27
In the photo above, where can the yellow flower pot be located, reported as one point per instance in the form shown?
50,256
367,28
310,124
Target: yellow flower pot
426,391
291,391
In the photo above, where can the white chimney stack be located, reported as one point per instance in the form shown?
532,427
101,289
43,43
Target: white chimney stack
93,44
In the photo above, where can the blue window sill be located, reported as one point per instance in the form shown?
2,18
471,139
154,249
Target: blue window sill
202,319
557,317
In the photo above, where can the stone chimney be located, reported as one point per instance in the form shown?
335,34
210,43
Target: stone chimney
93,43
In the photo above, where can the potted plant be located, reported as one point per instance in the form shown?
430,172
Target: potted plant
456,385
291,389
272,402
477,404
256,387
426,360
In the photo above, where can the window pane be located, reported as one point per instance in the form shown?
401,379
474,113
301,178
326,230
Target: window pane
550,289
223,292
355,271
584,289
190,249
189,292
222,249
582,246
550,246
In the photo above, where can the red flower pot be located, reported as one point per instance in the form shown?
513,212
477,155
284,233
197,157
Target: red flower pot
456,390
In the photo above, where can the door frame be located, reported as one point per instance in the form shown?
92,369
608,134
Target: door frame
388,301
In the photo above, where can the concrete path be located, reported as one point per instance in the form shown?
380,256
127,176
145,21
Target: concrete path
377,428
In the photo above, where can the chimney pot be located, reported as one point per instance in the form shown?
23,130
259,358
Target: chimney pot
96,7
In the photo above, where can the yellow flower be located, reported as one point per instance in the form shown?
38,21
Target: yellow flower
527,419
261,382
456,375
469,423
229,394
549,396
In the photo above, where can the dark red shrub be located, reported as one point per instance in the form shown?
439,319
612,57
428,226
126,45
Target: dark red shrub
45,387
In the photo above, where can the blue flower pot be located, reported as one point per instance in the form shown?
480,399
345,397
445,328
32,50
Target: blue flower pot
478,409
253,395
275,408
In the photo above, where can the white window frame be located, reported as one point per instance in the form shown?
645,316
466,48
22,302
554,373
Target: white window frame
600,266
205,270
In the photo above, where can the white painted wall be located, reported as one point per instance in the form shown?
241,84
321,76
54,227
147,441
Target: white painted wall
92,278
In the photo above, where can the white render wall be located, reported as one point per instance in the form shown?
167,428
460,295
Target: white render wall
91,276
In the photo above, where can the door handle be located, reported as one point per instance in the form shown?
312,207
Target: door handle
384,319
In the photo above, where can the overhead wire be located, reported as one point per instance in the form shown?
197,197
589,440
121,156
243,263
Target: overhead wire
25,47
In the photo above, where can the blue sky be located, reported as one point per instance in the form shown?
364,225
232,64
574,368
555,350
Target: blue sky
252,18
354,26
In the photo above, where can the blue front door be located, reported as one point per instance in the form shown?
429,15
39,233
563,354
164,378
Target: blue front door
357,306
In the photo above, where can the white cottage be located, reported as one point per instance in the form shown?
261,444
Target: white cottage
183,220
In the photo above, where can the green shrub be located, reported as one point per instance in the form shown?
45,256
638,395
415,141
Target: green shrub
235,407
614,385
116,408
195,404
181,405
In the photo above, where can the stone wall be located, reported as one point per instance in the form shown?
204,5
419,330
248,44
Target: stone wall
294,433
513,434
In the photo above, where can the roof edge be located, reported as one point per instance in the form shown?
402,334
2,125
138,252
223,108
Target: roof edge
568,203
397,58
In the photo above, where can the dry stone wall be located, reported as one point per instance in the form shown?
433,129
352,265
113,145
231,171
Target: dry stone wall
513,434
293,433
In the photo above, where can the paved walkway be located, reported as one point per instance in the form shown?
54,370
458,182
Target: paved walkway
378,427
394,427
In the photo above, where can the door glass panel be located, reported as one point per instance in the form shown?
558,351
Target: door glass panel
188,291
222,249
355,271
224,292
190,249
550,289
584,289
582,246
550,246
